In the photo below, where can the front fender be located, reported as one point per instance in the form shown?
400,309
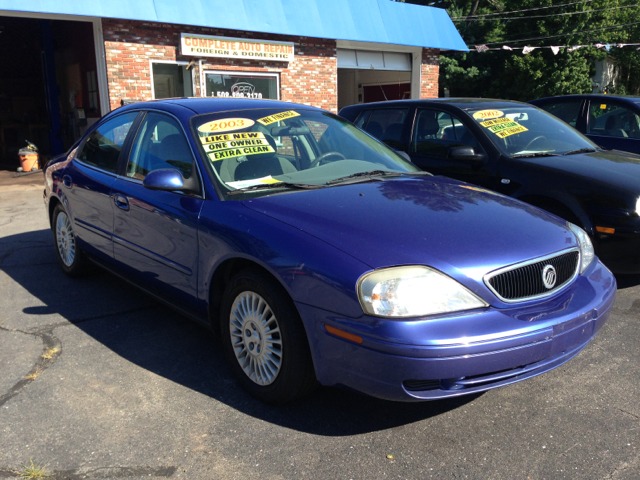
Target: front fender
312,271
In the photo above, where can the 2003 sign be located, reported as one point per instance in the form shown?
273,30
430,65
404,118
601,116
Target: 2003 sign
226,125
486,114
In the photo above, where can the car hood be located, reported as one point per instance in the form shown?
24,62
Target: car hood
457,228
617,168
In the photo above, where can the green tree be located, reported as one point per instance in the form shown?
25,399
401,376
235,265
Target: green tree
513,75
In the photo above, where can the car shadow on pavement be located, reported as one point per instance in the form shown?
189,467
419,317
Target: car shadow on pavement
153,337
627,280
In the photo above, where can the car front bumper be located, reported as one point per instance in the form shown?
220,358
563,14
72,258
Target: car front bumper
453,355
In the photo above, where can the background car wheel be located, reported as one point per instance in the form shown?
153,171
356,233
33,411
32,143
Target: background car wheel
264,340
563,212
72,259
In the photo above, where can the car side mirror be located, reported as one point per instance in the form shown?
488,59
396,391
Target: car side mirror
404,155
170,180
466,154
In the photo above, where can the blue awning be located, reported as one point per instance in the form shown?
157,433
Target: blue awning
381,21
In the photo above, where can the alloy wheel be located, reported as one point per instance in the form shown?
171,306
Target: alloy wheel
255,338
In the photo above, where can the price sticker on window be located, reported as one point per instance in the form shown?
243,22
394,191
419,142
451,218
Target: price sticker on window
487,114
226,125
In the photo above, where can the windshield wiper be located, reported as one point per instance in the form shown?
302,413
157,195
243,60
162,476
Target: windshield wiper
532,155
266,186
370,175
581,150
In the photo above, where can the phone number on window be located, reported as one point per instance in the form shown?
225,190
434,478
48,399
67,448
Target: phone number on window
238,95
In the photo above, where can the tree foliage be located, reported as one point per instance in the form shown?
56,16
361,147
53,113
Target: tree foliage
513,75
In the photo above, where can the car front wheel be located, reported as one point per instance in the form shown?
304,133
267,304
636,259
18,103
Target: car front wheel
264,340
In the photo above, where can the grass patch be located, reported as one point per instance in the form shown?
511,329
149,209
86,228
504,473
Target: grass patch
49,354
33,375
34,471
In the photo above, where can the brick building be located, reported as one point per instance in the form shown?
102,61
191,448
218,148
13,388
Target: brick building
101,54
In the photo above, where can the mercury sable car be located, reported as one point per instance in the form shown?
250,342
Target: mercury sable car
321,255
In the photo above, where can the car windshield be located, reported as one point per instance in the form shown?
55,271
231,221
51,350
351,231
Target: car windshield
522,131
247,150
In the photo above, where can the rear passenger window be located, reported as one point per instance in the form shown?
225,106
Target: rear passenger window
102,148
566,111
362,120
386,124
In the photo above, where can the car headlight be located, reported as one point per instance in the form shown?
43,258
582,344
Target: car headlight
587,253
413,291
638,206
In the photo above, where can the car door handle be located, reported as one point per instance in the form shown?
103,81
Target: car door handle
66,179
121,201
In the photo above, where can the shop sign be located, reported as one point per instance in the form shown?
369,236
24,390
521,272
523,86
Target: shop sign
243,48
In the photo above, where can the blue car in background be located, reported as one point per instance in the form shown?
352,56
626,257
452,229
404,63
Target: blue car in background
321,255
611,121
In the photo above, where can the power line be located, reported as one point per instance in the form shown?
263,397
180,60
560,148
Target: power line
473,17
562,35
545,16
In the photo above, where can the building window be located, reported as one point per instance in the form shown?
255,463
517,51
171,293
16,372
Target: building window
171,80
92,90
237,84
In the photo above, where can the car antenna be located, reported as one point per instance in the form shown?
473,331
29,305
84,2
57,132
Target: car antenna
379,84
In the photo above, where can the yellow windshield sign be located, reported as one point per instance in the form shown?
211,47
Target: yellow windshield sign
219,147
503,127
486,114
277,117
226,125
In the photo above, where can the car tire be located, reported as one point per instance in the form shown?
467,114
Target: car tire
71,257
264,339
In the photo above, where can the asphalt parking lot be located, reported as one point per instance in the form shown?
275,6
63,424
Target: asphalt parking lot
99,381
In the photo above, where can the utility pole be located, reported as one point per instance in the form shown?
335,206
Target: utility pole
474,8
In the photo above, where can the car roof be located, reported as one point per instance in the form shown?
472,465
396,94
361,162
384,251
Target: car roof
460,102
211,105
601,96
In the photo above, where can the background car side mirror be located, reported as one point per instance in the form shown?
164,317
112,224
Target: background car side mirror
170,180
466,154
404,155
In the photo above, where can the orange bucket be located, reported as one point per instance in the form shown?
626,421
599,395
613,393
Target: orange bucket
29,161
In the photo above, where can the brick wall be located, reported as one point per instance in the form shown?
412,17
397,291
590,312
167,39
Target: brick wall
429,73
310,79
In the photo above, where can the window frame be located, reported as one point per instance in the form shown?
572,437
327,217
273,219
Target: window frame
170,62
205,71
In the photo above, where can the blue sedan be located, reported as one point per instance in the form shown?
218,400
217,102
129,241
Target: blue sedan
321,255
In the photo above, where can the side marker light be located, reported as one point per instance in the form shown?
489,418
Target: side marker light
342,334
606,230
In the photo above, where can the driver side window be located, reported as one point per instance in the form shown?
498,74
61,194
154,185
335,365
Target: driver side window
613,120
436,132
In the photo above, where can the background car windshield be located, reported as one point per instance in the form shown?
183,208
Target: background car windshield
523,130
263,146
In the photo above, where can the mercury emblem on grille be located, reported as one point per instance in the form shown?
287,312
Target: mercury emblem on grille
549,276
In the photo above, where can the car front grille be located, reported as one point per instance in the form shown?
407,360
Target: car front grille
524,281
